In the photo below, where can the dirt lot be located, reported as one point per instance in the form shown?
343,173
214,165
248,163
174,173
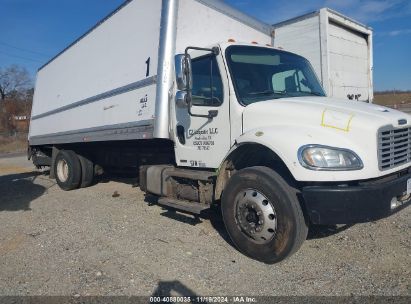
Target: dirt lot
87,242
392,98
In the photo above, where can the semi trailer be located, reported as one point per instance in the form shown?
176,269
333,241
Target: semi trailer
193,97
339,48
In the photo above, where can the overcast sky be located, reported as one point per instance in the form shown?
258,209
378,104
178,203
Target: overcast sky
32,31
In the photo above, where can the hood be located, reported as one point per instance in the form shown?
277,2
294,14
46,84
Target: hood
337,114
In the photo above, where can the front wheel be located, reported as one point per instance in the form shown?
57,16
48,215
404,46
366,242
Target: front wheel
262,215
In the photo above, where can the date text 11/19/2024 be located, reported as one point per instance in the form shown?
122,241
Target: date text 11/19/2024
199,299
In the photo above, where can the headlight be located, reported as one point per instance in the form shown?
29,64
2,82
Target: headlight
317,157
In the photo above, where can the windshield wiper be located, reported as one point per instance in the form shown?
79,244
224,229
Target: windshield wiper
268,92
314,93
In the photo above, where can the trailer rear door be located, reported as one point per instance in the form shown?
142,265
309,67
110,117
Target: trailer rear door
349,65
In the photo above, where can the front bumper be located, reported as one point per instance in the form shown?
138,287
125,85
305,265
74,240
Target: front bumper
349,204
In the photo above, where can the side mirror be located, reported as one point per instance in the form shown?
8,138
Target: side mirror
181,99
184,79
183,72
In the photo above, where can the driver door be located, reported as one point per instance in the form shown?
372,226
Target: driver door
203,142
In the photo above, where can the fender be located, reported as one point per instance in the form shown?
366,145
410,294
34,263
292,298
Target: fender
284,141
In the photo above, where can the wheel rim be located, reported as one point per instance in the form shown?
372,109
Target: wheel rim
62,170
255,216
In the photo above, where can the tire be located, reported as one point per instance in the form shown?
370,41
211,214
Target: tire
67,170
87,171
262,215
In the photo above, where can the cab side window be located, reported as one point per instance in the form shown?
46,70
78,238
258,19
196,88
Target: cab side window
207,83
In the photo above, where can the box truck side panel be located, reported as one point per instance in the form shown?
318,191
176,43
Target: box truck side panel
349,63
205,22
103,82
303,38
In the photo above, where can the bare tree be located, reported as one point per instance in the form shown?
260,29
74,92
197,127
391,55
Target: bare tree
13,80
16,94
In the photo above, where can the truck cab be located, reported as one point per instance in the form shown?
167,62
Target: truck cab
260,118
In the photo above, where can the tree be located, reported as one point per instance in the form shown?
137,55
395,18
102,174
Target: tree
13,81
16,94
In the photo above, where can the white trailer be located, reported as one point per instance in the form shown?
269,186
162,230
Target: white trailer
109,74
339,48
162,88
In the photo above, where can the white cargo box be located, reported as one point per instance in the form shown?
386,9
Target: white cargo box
114,82
339,48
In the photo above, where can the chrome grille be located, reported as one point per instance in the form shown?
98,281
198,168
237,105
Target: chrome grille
394,147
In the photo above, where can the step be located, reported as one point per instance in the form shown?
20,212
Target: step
190,207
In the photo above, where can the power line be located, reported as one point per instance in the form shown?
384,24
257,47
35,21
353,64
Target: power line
23,49
21,57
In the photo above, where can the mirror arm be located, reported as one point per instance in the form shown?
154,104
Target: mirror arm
211,114
215,50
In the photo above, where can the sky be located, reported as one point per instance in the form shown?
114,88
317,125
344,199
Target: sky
33,31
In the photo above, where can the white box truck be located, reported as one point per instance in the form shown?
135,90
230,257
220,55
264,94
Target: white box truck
181,92
339,48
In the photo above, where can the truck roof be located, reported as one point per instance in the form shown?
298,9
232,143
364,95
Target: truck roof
314,13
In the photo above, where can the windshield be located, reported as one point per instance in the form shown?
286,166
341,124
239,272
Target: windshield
263,74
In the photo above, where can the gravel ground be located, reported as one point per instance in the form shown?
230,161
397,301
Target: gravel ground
109,240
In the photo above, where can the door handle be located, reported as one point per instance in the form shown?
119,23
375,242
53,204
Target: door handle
181,134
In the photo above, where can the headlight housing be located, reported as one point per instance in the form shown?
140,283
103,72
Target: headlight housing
317,157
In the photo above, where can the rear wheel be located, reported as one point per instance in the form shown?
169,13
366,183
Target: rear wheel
262,215
87,171
67,170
